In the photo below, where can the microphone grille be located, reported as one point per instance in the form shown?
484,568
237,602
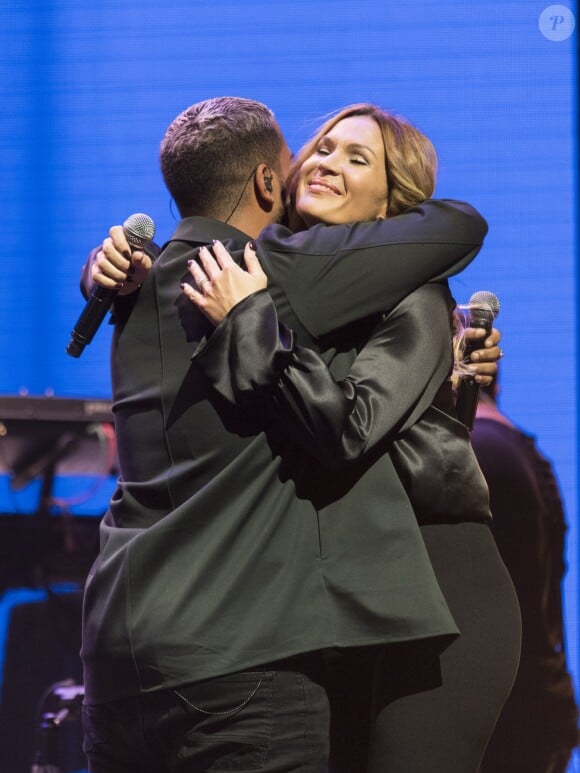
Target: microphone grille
485,298
139,229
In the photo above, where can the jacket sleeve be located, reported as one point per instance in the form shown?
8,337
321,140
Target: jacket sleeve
252,357
334,275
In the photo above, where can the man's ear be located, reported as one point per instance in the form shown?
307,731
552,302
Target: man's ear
264,182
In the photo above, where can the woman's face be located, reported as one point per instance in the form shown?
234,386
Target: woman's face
344,180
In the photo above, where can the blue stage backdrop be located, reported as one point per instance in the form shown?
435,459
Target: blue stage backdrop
89,88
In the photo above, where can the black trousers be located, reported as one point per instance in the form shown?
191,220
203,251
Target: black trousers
401,708
273,720
415,710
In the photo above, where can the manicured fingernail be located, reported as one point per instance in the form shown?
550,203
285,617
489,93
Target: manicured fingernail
253,246
190,262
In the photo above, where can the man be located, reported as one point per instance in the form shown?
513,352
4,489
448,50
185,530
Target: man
538,728
219,582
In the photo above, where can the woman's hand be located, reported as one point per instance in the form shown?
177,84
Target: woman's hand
485,359
221,283
116,267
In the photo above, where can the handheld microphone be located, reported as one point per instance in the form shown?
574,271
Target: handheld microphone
483,308
139,230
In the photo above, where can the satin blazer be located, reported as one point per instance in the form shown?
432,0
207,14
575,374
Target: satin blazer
396,397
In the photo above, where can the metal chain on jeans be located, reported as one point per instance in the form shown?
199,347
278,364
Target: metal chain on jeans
221,713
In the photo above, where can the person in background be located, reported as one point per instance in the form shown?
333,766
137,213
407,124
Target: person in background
537,730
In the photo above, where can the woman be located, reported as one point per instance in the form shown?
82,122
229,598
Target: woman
430,714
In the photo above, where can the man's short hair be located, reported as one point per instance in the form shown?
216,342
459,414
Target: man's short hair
211,150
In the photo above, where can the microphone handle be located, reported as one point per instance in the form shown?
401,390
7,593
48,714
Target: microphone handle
467,400
88,323
468,390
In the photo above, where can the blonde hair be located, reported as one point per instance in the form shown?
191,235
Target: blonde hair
410,160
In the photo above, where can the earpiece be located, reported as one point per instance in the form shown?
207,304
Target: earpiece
268,183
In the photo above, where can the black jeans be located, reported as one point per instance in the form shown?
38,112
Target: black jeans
273,720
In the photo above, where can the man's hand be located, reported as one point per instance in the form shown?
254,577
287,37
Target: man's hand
115,266
221,283
485,359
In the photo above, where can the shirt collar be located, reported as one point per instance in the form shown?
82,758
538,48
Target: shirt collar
204,229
